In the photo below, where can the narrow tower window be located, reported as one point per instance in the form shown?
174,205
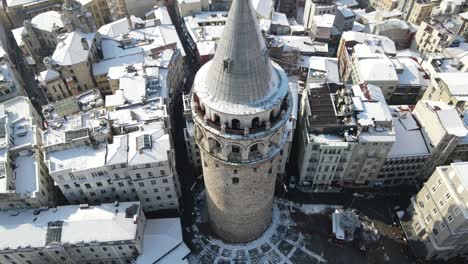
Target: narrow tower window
227,65
235,124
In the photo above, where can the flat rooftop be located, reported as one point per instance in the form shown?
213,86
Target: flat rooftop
76,159
408,133
103,223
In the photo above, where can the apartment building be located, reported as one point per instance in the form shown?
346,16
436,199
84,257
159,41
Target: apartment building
463,20
443,130
350,39
110,233
434,35
345,134
159,56
99,9
24,179
387,5
125,154
11,84
403,163
37,38
420,10
449,87
317,7
344,19
401,79
436,221
401,32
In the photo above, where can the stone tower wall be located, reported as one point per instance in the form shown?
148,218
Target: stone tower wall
239,212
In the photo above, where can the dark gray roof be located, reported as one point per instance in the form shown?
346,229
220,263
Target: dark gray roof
241,71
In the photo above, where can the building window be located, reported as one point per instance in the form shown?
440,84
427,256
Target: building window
165,181
435,231
88,186
66,186
428,218
235,171
443,225
449,218
141,184
447,196
153,182
441,203
235,180
434,189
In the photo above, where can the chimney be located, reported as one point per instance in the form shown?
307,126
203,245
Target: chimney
129,20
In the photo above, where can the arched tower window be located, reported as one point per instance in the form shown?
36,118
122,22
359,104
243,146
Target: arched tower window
255,122
235,124
272,115
217,119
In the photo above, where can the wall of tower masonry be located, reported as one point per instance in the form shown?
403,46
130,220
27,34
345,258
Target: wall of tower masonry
239,196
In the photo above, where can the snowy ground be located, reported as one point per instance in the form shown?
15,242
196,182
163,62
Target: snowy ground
281,242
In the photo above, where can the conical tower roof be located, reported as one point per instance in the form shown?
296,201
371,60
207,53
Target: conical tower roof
241,71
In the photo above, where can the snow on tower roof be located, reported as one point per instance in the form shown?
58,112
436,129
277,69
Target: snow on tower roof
241,71
241,77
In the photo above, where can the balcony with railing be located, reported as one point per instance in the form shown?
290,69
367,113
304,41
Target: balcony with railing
235,128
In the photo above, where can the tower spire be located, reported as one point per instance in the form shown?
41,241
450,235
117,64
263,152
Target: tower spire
241,71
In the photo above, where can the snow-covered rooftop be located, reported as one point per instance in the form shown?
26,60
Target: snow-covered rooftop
76,159
71,49
163,243
456,82
387,45
408,133
325,20
102,223
47,21
49,75
157,151
327,67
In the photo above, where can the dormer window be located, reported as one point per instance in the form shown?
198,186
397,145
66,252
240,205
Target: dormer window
227,65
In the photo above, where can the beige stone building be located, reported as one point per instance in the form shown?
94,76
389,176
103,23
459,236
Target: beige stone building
350,39
108,233
450,89
37,38
89,165
241,106
436,222
433,36
443,130
387,5
420,10
99,9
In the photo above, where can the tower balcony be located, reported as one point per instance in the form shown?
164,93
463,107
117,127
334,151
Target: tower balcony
234,128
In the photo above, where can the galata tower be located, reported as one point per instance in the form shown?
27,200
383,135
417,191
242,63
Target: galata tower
241,105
